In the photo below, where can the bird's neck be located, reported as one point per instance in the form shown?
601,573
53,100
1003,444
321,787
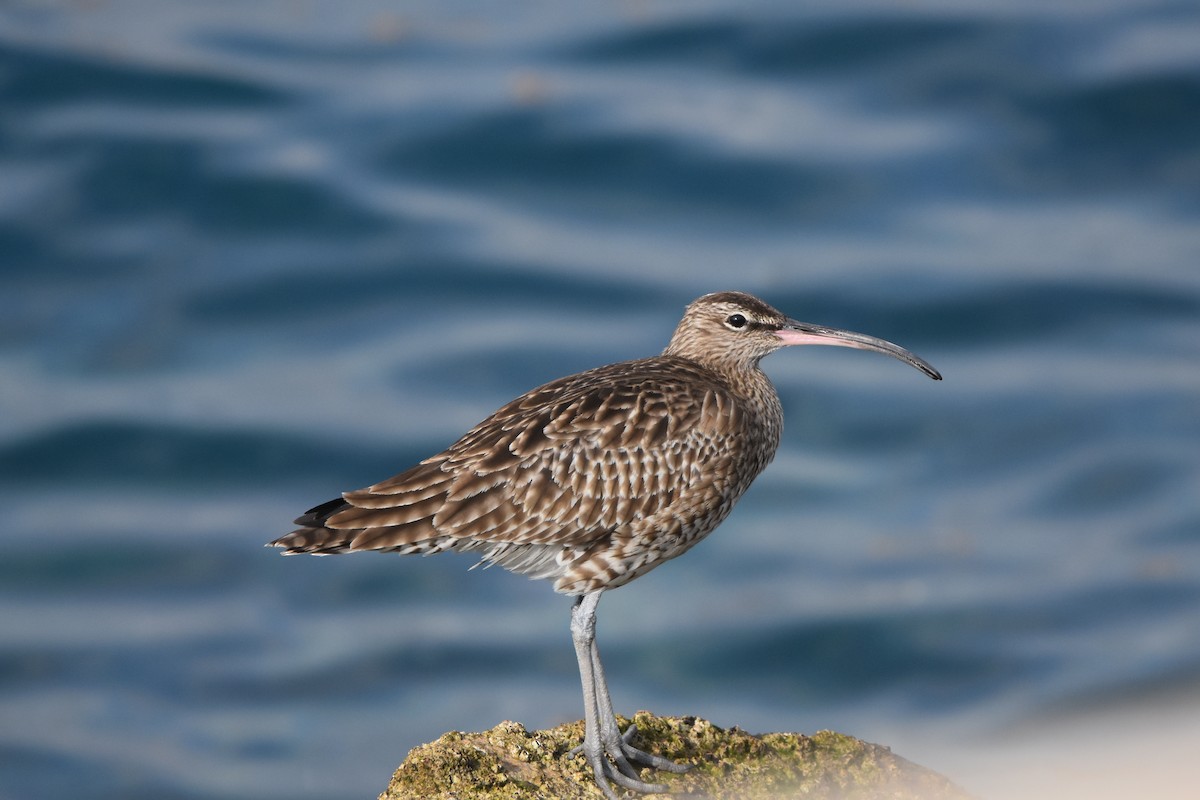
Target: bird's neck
760,414
757,389
759,400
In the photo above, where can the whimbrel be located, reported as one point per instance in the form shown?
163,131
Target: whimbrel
595,479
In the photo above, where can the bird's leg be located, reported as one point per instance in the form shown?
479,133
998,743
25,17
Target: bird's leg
610,732
598,747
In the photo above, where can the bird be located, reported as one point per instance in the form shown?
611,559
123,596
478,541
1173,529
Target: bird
594,479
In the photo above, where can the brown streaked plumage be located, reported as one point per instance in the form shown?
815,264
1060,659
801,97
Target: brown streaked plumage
595,479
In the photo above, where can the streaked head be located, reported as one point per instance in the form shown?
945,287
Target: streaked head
738,329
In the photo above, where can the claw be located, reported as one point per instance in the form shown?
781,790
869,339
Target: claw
618,766
607,771
648,759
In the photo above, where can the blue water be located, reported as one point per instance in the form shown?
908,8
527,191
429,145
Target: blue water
252,255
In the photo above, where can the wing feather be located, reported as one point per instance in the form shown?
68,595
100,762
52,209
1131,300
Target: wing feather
564,466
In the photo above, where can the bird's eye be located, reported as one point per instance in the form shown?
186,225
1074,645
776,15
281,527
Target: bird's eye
736,321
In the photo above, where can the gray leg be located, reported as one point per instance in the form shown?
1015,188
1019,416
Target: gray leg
602,739
611,734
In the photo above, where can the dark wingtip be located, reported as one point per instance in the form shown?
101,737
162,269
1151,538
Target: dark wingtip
316,516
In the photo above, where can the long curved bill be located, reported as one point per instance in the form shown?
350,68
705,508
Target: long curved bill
794,332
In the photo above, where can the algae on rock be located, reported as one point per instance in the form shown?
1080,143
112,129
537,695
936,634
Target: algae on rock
511,763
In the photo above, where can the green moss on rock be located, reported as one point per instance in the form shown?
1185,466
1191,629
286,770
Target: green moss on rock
511,763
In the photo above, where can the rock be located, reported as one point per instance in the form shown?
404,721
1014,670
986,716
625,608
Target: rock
511,763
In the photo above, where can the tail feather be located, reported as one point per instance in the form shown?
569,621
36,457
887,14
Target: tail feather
313,537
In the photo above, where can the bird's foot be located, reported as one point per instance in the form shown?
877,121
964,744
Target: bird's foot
648,759
612,759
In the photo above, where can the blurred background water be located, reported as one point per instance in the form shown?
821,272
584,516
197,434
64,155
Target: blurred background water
255,254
